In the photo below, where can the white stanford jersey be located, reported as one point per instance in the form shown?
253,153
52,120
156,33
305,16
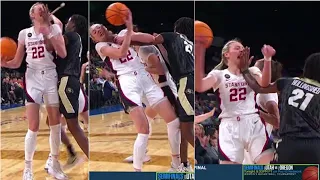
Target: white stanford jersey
130,63
262,100
37,55
145,52
236,97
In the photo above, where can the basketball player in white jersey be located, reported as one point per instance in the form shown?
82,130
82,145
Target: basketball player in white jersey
39,41
241,127
269,105
156,66
133,82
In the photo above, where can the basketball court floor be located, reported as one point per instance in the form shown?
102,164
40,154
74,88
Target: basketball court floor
13,130
112,136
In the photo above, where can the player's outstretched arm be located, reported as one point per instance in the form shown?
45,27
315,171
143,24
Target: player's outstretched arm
203,117
202,83
115,53
268,52
17,60
252,82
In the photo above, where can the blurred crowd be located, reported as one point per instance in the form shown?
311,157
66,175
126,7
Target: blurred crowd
103,90
11,87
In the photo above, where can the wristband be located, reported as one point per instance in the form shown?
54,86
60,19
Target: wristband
267,59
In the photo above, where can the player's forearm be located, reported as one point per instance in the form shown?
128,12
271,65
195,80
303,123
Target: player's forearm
199,68
59,45
266,74
143,38
126,44
13,64
57,21
153,70
202,117
252,82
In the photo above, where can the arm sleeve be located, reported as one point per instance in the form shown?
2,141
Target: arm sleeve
22,36
217,75
145,52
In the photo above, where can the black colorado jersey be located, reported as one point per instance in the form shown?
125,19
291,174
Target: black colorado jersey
180,54
70,65
300,108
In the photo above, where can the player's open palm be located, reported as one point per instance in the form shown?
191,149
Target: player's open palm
245,59
268,51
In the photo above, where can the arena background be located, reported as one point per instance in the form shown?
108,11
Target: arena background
149,20
290,27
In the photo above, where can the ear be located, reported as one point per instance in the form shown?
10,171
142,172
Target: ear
227,55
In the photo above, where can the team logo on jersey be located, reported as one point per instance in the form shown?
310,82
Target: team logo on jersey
29,34
69,90
227,76
189,91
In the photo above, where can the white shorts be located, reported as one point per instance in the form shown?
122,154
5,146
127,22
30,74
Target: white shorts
172,89
83,101
134,85
242,133
41,84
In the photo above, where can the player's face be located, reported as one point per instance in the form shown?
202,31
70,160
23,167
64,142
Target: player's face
233,54
70,26
98,33
37,13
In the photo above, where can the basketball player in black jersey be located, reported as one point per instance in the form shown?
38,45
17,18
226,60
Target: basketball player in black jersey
69,71
299,117
179,47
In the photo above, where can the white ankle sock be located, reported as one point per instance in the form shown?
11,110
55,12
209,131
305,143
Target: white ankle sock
139,150
30,144
174,137
55,140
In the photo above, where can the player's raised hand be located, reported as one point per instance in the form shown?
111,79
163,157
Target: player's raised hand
245,59
268,51
128,21
46,15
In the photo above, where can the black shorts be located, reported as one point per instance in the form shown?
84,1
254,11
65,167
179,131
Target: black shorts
171,97
298,151
185,107
69,89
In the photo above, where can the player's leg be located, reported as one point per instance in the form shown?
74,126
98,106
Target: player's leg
185,109
51,100
72,155
83,108
260,145
160,103
130,94
230,144
69,89
150,113
34,98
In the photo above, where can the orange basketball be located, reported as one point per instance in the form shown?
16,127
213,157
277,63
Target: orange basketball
202,30
310,173
8,48
116,12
